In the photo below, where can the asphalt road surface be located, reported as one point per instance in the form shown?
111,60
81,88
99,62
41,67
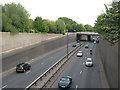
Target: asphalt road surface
22,80
82,76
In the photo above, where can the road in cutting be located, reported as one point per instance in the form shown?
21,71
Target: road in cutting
83,77
22,80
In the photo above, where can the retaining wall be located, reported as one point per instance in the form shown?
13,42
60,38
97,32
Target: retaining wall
35,51
109,57
12,41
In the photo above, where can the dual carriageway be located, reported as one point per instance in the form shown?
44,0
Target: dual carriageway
83,77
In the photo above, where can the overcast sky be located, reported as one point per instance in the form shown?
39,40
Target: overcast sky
81,11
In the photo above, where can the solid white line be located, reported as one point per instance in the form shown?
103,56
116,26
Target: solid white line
4,86
80,72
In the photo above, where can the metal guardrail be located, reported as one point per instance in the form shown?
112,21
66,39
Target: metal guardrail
48,70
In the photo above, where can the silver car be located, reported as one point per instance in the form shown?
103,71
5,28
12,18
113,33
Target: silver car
79,54
89,62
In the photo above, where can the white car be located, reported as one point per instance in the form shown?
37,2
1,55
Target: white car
94,42
89,62
79,54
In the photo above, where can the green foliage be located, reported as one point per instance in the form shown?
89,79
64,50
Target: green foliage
60,26
80,28
89,28
40,25
70,24
14,18
63,33
107,23
52,27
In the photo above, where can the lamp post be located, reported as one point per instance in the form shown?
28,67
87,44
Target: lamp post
67,44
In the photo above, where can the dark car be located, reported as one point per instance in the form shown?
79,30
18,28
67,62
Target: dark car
65,82
22,67
86,46
74,45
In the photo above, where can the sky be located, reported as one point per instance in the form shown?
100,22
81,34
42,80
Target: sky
81,11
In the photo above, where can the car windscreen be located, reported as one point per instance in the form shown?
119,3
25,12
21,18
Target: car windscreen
64,79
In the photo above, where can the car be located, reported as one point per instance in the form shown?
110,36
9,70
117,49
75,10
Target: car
74,45
65,82
90,51
94,42
86,46
89,62
80,54
22,67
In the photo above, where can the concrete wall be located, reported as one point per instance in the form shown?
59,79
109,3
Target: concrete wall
10,41
109,57
35,51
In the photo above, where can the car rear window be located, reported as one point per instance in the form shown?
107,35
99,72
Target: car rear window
89,60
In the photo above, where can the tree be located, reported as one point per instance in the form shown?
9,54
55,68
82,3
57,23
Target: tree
15,18
60,26
107,23
80,28
70,24
89,28
38,24
52,27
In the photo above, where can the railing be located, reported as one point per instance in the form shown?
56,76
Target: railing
63,60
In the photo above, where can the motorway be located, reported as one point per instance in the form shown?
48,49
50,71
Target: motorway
82,76
22,80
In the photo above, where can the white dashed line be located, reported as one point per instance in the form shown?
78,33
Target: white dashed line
3,87
80,72
76,87
42,63
83,63
28,72
51,57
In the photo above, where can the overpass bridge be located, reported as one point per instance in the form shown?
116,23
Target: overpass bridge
88,36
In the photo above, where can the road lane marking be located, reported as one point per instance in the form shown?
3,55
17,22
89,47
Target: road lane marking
3,87
42,63
27,72
76,87
80,72
83,63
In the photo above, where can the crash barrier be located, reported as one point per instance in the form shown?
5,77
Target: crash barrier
62,61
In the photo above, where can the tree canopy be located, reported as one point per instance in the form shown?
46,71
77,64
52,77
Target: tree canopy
16,19
107,23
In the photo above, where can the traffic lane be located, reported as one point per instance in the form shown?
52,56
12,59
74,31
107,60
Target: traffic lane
74,68
38,67
83,77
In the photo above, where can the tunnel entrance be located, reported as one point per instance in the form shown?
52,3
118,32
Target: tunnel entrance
88,37
83,38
